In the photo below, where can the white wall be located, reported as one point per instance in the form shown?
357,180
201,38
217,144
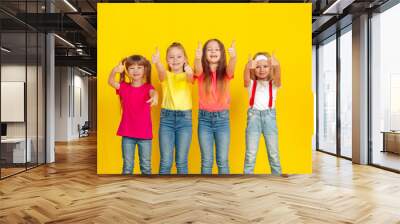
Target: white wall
16,73
62,78
80,83
71,93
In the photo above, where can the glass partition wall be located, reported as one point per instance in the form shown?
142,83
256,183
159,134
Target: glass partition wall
345,61
327,95
22,77
334,94
385,89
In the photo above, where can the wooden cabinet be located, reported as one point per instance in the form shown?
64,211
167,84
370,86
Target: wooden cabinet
391,142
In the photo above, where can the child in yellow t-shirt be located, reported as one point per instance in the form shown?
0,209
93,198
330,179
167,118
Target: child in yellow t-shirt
176,109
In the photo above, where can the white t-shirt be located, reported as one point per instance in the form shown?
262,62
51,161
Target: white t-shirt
261,98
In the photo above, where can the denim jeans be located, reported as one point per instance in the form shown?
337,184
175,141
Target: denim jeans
128,154
175,132
214,128
262,121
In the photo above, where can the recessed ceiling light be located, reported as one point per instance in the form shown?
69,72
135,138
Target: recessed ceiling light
338,6
70,5
5,50
84,71
64,40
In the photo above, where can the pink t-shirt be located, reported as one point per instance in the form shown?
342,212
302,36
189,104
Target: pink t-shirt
136,113
214,100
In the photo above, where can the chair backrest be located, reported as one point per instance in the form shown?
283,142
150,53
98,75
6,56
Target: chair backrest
86,125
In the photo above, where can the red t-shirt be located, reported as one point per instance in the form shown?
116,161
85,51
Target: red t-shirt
214,100
136,113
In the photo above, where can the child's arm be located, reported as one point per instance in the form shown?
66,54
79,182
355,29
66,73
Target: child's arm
230,70
276,71
189,73
153,97
198,67
247,71
111,78
160,68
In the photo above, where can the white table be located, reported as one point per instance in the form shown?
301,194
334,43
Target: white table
18,149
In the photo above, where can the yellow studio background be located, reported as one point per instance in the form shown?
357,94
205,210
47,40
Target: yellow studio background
285,29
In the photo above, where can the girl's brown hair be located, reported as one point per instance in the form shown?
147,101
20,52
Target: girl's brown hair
220,71
179,46
136,60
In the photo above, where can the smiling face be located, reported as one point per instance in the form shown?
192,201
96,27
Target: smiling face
136,72
262,70
176,59
213,52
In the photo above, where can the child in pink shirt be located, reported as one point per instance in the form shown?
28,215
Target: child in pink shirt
137,95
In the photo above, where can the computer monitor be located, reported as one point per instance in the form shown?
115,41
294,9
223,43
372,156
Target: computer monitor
3,129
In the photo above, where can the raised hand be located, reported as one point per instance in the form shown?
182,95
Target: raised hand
153,100
188,69
156,57
251,64
274,61
232,49
276,75
119,68
199,51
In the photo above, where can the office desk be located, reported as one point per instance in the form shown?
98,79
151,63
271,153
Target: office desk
13,150
391,141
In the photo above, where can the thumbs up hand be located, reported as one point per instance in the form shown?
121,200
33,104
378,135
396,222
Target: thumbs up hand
156,56
274,61
188,69
232,49
199,50
251,64
119,68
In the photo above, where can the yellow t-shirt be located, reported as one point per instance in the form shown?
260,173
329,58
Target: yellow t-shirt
177,92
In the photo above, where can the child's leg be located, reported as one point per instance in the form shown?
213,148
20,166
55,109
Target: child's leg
166,140
270,132
253,132
145,156
183,138
222,139
206,141
128,154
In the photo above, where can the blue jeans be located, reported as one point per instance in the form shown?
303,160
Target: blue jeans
128,154
175,132
214,127
262,121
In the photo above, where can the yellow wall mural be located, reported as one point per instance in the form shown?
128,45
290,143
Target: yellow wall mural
280,29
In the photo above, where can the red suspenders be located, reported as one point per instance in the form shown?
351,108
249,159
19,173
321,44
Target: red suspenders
270,95
253,94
